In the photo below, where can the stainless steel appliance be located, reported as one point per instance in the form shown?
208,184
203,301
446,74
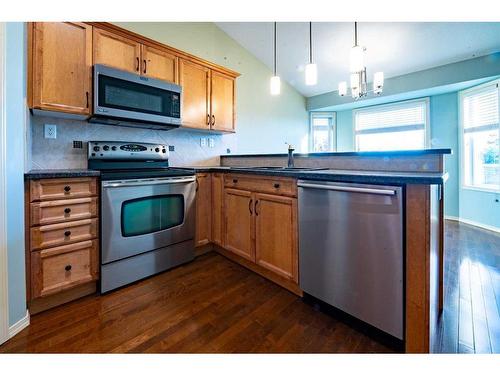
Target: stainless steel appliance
147,211
351,250
128,99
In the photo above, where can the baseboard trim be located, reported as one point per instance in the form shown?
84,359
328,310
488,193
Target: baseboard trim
474,223
20,325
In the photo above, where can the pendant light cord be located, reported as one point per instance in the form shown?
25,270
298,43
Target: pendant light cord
310,44
275,49
355,33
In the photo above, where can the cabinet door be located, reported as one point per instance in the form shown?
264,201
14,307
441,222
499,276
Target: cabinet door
62,76
116,51
217,208
276,234
195,82
222,103
159,64
203,209
239,223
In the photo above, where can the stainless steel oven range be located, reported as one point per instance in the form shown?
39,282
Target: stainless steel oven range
147,211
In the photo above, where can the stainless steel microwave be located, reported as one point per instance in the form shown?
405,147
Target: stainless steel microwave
128,99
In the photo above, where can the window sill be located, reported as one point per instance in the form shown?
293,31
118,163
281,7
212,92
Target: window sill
482,190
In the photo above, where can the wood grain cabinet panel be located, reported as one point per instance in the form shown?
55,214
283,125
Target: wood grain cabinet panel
60,268
262,184
203,209
51,212
116,51
60,66
222,102
159,64
195,81
217,208
63,188
239,223
63,233
276,234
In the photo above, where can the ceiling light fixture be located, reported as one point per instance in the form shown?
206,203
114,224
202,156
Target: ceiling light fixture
357,69
275,79
311,68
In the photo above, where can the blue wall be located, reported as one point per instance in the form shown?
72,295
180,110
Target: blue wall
15,113
476,206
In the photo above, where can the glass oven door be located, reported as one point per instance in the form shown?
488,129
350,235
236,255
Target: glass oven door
143,215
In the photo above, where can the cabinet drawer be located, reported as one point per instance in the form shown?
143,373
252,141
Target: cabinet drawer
50,212
63,233
64,267
262,184
63,188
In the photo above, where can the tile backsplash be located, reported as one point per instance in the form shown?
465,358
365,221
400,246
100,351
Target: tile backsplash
59,153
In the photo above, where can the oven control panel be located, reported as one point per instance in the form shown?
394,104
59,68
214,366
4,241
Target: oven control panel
126,150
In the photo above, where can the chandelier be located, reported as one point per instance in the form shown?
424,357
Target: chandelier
359,87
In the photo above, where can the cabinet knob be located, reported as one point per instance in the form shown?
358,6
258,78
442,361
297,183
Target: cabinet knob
67,210
276,186
67,188
67,233
235,180
68,267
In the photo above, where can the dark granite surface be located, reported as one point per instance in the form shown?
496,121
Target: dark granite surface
430,151
368,177
36,174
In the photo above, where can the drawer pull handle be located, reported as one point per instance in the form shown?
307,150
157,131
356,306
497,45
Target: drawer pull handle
67,188
235,181
67,233
67,210
68,267
276,186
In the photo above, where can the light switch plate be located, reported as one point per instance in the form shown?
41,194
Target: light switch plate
203,142
50,131
211,142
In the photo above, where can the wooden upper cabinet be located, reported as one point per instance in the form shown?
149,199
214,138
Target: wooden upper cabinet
159,64
276,234
222,103
195,81
203,209
60,78
238,206
116,51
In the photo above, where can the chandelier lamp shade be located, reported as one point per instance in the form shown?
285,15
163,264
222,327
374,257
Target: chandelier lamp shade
357,68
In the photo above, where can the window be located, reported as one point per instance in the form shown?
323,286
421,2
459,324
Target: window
398,126
322,132
480,130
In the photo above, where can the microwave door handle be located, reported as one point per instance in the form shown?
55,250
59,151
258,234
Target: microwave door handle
117,184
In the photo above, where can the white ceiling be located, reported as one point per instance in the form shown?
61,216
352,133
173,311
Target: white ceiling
394,48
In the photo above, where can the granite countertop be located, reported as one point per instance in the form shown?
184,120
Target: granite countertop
36,174
334,175
429,151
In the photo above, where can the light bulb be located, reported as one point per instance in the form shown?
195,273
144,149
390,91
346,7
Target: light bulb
311,74
275,85
378,82
342,88
356,60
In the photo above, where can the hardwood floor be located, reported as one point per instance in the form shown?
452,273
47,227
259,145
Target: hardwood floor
213,305
470,322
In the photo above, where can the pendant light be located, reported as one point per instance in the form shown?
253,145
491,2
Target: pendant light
311,68
275,79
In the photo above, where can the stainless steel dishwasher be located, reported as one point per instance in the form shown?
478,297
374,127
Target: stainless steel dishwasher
351,250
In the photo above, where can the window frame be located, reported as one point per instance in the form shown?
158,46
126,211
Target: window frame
427,125
461,138
332,130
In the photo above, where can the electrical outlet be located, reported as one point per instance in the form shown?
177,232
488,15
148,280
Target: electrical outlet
171,148
50,131
203,142
211,142
77,144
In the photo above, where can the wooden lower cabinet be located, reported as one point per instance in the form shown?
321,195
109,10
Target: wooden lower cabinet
276,234
217,209
239,223
203,209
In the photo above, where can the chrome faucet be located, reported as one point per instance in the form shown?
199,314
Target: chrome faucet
290,155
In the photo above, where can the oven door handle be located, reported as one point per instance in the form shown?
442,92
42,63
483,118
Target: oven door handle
148,182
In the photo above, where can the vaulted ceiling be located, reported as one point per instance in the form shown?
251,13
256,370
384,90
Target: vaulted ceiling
395,48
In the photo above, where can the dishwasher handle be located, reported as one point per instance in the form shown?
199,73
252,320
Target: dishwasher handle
350,189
